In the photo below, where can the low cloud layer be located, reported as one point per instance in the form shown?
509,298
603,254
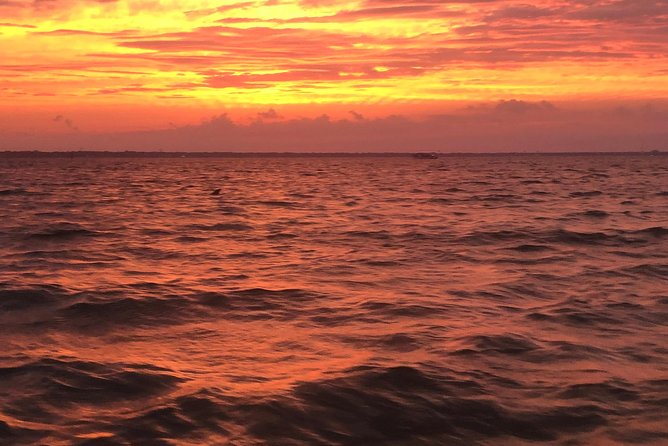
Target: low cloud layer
511,125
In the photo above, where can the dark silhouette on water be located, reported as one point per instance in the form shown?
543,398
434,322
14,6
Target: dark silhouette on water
425,156
216,192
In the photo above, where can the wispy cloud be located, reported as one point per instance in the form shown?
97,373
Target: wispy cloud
67,122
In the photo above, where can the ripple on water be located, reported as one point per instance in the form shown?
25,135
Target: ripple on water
332,301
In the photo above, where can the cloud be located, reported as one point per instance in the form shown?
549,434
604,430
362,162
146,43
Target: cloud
342,53
269,115
68,122
15,25
510,125
521,12
521,107
49,8
356,116
78,32
223,8
623,11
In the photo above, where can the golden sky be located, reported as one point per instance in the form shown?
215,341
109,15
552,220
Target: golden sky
72,66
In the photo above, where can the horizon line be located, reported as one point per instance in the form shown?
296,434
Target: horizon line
196,154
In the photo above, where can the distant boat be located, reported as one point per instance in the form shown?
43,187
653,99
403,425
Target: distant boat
425,156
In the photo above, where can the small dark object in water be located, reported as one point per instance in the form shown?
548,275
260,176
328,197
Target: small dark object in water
216,192
425,156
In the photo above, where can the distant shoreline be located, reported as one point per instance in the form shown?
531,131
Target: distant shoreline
153,154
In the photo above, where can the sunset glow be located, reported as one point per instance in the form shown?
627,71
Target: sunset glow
119,66
334,222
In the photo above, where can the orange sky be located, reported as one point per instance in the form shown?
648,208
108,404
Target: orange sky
81,67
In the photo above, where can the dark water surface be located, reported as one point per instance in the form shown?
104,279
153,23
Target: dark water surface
334,301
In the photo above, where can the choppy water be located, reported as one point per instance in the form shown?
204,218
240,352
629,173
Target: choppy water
334,301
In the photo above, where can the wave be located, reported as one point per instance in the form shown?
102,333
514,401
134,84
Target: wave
195,416
655,232
64,231
591,193
373,405
595,214
60,382
279,203
494,197
28,299
392,309
604,392
99,314
530,248
381,235
558,236
398,342
221,227
578,318
657,271
16,191
501,344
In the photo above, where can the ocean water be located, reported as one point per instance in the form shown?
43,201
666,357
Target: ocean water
514,300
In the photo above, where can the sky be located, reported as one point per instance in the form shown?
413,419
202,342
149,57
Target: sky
310,75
